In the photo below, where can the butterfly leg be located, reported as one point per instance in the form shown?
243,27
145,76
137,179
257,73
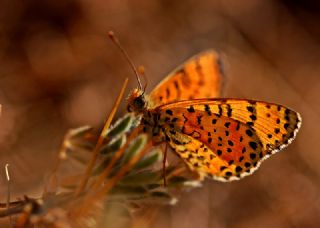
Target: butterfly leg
164,165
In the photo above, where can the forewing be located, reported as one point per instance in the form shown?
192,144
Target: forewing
199,77
240,133
275,125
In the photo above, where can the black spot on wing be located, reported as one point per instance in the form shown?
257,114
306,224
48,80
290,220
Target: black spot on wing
250,108
253,117
176,86
220,110
249,132
253,145
201,81
229,110
185,78
191,109
207,109
238,125
167,93
286,126
238,169
169,112
199,120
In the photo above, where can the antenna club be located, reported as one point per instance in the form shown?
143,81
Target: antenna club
111,34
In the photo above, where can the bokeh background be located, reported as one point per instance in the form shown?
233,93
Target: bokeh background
58,70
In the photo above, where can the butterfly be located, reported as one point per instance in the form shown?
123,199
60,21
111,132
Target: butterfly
221,138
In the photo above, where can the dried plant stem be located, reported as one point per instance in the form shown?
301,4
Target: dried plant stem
110,183
102,136
103,193
56,166
15,207
8,190
12,211
11,204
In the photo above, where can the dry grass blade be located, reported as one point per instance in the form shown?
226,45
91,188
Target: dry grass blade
8,190
114,159
101,140
98,194
104,191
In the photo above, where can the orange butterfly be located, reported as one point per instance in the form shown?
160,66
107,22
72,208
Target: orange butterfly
222,138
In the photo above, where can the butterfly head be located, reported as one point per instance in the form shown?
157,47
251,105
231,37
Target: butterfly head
136,101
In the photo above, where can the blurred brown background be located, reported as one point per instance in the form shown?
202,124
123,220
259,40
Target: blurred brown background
59,70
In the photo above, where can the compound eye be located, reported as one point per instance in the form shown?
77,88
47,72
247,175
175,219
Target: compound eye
139,102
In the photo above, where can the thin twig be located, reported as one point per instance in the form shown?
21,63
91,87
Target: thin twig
12,211
11,204
15,207
56,165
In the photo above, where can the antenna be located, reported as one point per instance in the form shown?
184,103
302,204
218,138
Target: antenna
117,43
142,72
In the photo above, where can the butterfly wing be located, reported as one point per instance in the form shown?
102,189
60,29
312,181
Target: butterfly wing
213,147
199,77
236,134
